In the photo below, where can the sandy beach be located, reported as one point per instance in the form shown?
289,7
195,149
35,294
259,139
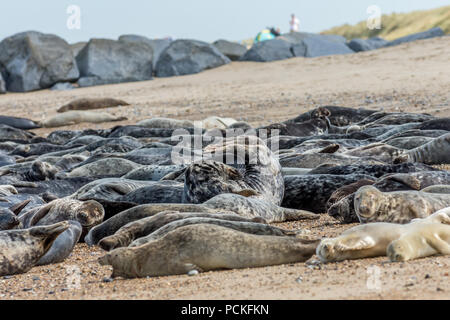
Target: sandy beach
411,77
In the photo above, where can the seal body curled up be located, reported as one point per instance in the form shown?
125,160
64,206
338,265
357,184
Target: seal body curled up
20,250
190,248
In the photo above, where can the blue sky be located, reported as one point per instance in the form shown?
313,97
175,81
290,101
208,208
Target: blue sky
206,20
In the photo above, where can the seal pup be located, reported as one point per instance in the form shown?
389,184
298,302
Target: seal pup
88,214
63,246
145,226
189,248
362,241
75,117
243,226
372,205
311,192
20,250
421,240
436,151
380,151
92,103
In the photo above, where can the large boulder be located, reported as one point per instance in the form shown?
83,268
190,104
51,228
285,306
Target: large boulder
183,57
431,33
230,49
316,46
34,60
269,50
104,61
359,45
157,45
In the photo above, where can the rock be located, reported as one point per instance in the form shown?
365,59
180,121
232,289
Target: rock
298,37
183,57
157,45
34,60
359,45
77,47
434,32
230,49
62,86
104,61
2,84
316,46
269,50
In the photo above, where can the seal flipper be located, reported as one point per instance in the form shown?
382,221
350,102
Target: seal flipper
441,246
246,192
17,208
40,214
330,149
294,214
355,244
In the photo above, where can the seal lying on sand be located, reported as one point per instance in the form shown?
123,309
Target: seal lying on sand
190,248
74,117
243,226
421,240
110,226
92,103
20,250
145,226
372,239
372,205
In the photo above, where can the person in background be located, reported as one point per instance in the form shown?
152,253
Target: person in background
295,23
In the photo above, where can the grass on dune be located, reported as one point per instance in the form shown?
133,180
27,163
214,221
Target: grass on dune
397,25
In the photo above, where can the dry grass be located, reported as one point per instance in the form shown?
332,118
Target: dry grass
397,25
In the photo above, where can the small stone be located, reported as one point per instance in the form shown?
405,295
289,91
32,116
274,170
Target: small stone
51,292
299,280
192,273
439,289
107,279
27,289
36,278
7,277
427,276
